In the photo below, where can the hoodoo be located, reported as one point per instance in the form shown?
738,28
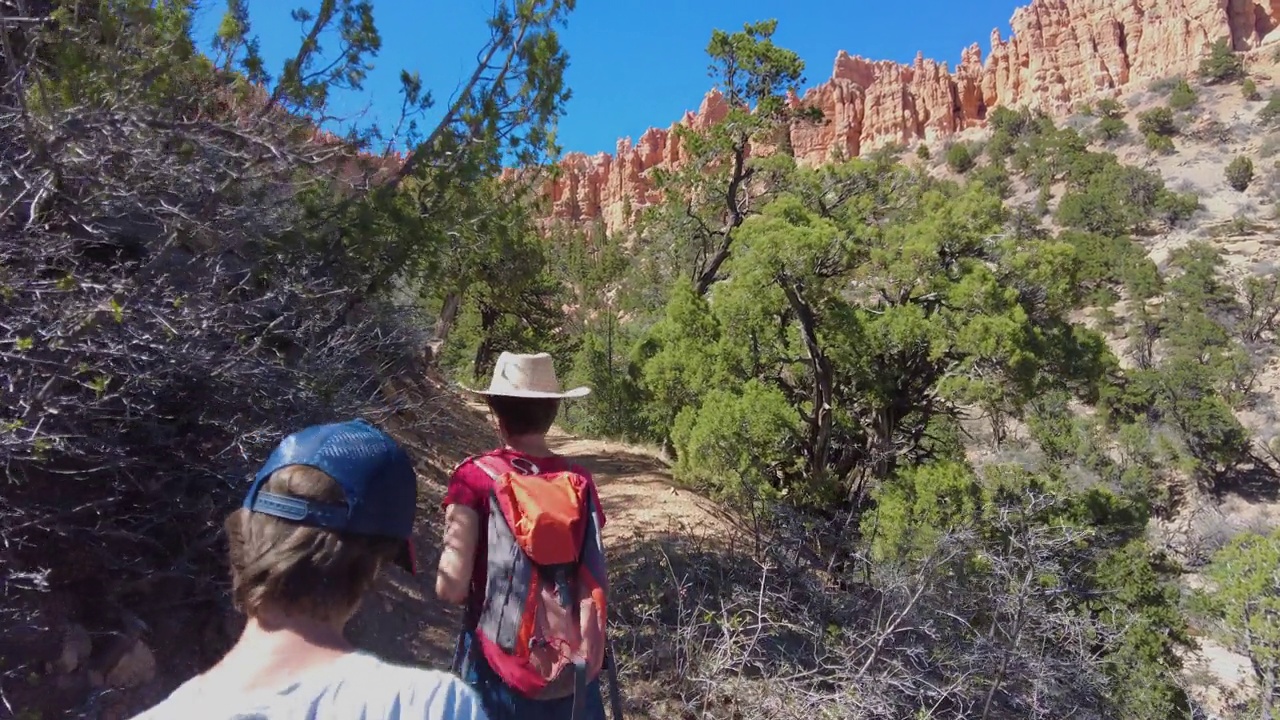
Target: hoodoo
1061,52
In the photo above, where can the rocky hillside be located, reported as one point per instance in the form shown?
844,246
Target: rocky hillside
1061,53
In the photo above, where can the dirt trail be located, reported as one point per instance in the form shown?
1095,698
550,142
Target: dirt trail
637,491
405,622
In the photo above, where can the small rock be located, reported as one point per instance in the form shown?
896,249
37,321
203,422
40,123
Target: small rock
76,645
135,667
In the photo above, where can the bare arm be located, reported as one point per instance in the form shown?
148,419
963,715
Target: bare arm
457,557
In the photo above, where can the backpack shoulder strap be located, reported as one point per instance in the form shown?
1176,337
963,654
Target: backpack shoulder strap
462,464
494,465
490,465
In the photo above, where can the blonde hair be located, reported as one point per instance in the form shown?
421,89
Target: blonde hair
296,569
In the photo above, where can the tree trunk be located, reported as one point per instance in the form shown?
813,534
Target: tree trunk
448,316
734,215
485,351
444,325
823,387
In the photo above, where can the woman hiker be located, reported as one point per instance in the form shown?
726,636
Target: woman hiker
519,479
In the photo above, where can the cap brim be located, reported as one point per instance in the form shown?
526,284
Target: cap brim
574,393
407,558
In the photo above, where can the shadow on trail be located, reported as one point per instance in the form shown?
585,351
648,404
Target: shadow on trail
1256,484
619,465
402,620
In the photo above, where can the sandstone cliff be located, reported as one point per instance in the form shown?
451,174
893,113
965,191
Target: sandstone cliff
1061,52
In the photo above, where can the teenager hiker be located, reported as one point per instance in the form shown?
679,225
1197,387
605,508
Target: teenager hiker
330,507
522,553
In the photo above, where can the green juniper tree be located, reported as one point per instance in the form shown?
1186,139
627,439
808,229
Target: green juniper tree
1244,602
708,199
871,301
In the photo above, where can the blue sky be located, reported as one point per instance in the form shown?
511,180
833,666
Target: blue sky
633,64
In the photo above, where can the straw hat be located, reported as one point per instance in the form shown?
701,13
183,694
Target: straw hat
528,376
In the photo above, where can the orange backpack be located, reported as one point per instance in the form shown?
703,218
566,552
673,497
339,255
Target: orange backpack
545,603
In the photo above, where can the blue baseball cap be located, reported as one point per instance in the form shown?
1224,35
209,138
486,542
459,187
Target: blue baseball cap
374,472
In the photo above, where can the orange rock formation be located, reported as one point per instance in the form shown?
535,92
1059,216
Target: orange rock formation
1061,52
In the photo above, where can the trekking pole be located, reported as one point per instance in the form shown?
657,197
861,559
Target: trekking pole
456,666
579,689
615,690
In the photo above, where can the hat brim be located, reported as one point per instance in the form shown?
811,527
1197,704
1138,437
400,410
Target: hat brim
572,393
